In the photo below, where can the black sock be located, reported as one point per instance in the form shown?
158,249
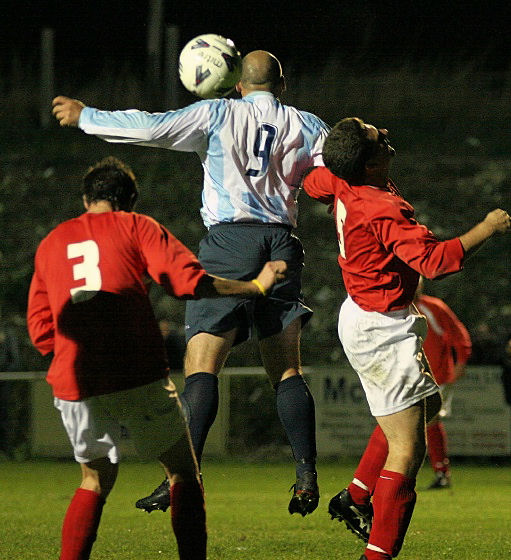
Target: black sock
295,407
200,403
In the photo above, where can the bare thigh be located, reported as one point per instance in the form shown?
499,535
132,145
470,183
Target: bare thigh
405,433
206,352
281,352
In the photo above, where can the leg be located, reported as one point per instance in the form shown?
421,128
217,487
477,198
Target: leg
437,451
205,355
295,406
188,513
84,512
394,495
437,443
368,470
353,504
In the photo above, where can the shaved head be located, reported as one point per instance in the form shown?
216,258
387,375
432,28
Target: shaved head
261,71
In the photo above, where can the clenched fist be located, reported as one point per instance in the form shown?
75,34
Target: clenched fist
66,110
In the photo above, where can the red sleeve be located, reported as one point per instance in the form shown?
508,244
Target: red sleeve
399,232
39,316
168,261
319,184
456,334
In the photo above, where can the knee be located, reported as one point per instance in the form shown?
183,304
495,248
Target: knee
408,451
276,377
92,483
99,476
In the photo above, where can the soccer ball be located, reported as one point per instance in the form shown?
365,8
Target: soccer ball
209,66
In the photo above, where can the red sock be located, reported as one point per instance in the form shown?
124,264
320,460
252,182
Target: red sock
393,503
81,524
188,515
437,447
369,467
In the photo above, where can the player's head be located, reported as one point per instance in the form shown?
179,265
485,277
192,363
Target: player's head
261,71
353,147
111,180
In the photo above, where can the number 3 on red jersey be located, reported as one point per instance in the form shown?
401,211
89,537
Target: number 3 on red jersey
340,219
88,268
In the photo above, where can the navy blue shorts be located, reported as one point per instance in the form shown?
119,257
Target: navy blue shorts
239,251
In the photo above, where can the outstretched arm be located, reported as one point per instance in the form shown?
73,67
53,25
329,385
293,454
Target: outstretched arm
214,286
66,110
184,130
497,221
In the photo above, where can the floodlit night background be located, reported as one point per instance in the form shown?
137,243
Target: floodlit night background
436,74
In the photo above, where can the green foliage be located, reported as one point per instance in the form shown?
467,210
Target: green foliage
247,514
452,164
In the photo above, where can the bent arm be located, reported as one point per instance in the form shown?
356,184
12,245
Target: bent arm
415,245
214,286
497,221
175,267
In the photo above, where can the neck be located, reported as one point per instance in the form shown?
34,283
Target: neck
376,180
99,206
254,89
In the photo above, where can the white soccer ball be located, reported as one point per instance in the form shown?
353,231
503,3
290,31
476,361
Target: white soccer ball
209,66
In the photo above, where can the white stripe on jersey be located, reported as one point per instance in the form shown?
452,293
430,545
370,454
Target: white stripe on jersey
253,151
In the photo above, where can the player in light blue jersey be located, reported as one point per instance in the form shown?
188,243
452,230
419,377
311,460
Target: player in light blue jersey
254,151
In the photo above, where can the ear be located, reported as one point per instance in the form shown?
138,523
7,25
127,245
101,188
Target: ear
283,83
280,87
238,87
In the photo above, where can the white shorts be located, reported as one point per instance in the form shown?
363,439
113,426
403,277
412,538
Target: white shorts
151,414
385,349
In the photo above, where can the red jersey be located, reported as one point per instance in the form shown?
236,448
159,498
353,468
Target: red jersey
383,249
88,301
447,342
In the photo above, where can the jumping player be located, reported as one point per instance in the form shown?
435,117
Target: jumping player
383,250
254,151
88,305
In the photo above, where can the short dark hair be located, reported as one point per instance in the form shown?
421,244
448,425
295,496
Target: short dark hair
347,149
111,179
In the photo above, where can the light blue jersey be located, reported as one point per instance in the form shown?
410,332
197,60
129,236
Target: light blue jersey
253,151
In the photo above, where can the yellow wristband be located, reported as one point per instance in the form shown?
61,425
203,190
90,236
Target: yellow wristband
260,287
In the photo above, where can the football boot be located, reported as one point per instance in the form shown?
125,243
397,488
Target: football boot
358,518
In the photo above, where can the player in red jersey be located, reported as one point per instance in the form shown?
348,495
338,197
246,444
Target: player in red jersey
383,250
88,304
447,347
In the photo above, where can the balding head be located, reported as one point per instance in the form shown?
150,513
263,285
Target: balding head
261,71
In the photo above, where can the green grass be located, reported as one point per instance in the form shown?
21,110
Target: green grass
247,514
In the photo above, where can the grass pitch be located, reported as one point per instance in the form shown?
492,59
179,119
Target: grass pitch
247,514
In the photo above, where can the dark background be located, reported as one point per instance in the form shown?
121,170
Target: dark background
379,31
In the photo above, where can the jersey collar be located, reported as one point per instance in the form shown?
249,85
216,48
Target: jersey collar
253,94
